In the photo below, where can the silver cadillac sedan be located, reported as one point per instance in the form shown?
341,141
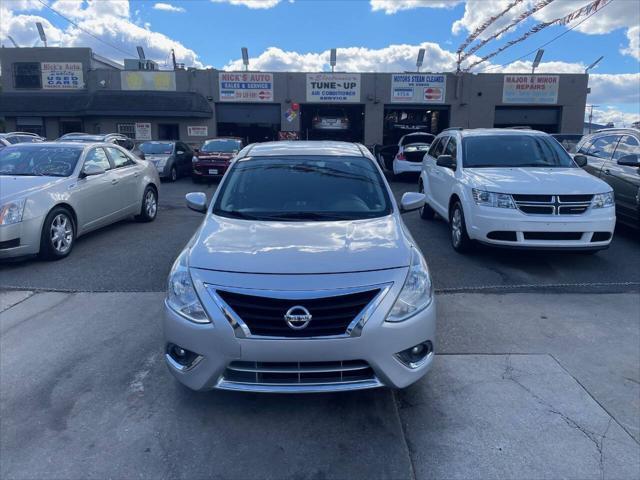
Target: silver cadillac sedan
51,193
301,278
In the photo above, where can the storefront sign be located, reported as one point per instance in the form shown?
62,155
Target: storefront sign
143,131
198,131
155,81
245,87
418,88
61,76
333,87
530,89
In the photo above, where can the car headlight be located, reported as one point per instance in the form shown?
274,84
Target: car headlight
11,212
181,294
603,200
492,199
417,292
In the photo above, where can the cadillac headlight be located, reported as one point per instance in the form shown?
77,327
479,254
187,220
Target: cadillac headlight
11,212
493,199
417,292
181,295
603,200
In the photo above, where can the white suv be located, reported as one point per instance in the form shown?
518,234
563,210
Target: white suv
514,188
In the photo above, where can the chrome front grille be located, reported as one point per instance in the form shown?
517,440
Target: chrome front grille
552,204
348,374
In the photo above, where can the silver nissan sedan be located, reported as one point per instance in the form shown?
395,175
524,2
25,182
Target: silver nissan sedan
51,193
301,278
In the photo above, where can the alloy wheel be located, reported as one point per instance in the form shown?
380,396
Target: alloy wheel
456,227
150,204
61,233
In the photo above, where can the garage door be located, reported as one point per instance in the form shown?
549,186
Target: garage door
248,113
546,119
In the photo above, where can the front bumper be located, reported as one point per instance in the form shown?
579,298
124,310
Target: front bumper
21,239
404,166
203,169
541,231
217,345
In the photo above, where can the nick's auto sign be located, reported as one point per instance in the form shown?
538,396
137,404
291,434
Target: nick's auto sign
245,87
333,87
61,76
536,89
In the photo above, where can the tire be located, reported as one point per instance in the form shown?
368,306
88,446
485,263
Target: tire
426,212
173,174
149,208
58,234
460,240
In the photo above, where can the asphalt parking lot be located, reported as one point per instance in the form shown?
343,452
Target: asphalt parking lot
102,260
537,374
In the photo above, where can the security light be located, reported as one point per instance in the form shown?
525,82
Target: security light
420,58
245,58
586,70
536,61
43,37
13,41
332,59
140,53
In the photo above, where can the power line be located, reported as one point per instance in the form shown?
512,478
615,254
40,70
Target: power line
85,31
547,43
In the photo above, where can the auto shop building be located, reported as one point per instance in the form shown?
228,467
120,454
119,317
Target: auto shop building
52,91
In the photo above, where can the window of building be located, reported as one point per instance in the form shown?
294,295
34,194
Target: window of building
31,124
128,129
27,75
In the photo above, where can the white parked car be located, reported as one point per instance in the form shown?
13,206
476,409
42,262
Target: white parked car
411,150
514,188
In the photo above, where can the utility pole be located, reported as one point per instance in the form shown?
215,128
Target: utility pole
591,115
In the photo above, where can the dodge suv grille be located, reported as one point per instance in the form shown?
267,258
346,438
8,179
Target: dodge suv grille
553,204
265,316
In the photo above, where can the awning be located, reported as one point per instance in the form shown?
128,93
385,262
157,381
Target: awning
113,103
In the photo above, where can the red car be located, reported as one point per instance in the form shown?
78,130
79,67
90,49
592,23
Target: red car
214,157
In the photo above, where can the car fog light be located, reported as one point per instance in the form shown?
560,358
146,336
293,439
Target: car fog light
181,358
414,357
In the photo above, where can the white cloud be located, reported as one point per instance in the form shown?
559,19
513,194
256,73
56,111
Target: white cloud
614,89
633,50
110,21
393,6
610,114
253,4
167,7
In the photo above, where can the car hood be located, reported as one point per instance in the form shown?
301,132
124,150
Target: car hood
299,247
12,188
213,156
536,180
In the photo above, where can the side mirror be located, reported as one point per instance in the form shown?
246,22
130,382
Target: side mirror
629,160
412,201
91,170
580,160
197,201
446,161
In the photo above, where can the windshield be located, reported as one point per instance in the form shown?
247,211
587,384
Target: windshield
157,148
305,188
229,145
486,151
47,160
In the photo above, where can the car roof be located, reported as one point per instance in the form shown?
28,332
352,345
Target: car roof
63,144
478,132
305,147
617,130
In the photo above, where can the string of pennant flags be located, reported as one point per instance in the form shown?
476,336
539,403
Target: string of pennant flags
586,10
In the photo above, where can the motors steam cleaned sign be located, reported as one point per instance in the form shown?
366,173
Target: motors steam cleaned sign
333,87
418,88
61,76
536,89
245,87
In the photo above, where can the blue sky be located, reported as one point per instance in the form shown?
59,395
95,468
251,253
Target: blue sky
371,35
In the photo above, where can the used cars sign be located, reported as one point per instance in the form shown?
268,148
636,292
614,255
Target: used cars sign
61,76
418,88
245,87
333,87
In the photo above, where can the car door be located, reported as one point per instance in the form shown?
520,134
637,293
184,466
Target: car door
93,196
182,158
625,180
439,177
449,176
600,151
126,172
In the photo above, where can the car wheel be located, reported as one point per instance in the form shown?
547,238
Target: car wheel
426,212
58,234
459,238
149,208
173,174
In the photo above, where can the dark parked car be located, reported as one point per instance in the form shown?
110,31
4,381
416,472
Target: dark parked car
214,157
171,158
117,138
568,140
613,154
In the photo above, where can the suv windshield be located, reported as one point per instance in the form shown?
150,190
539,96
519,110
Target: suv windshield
156,148
486,151
229,145
32,160
305,188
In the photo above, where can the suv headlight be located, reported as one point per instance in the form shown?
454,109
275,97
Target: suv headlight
181,295
417,292
492,199
603,200
11,212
